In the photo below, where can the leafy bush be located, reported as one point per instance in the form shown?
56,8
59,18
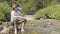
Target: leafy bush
4,12
52,12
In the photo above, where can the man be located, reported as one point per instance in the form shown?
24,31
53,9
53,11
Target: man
15,14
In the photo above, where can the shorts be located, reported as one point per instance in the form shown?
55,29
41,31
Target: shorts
17,22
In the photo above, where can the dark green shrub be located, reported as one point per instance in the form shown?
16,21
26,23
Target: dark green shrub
52,12
4,12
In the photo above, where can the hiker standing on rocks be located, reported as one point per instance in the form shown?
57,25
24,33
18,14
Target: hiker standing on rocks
16,13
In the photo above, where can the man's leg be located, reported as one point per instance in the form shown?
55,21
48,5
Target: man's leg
23,25
22,22
22,28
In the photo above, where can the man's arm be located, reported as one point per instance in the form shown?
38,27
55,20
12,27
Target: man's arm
23,12
18,17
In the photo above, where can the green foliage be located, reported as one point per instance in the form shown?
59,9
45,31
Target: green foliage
31,6
49,12
4,12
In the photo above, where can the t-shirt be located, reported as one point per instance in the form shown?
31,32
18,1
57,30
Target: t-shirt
13,13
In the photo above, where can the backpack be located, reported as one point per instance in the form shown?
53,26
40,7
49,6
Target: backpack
19,9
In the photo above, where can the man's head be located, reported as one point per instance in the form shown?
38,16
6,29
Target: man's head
15,5
15,8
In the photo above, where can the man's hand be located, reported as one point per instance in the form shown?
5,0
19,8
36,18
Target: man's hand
22,14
